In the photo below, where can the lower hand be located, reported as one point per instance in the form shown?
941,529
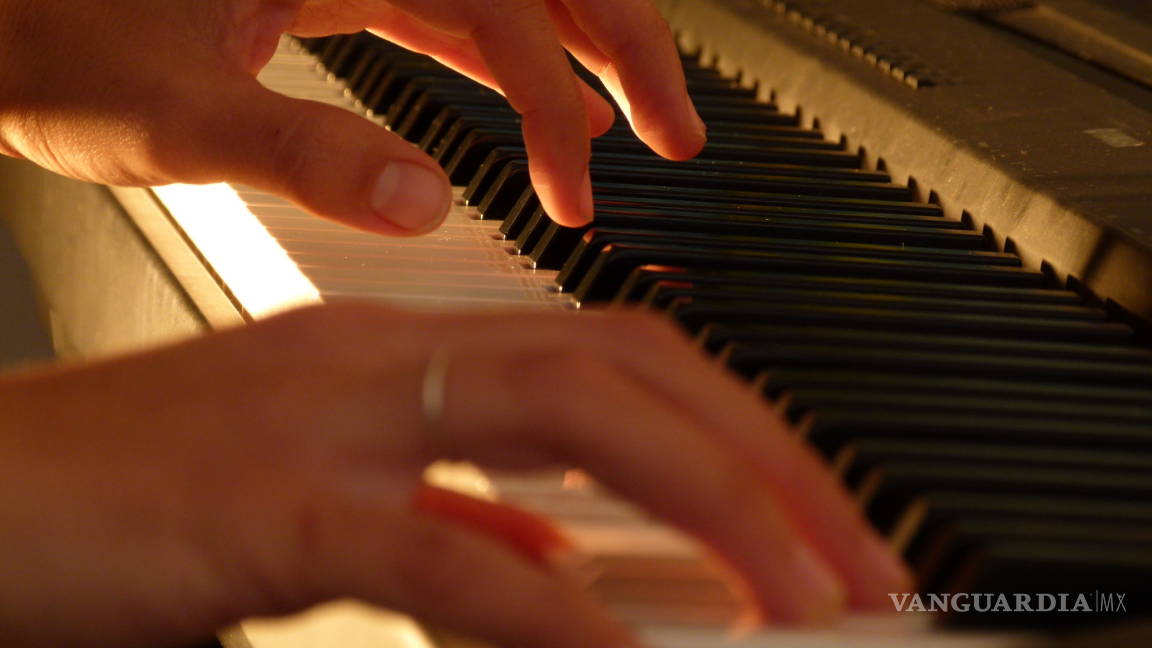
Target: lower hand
152,499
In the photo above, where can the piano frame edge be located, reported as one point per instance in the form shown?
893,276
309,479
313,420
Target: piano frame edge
99,265
203,287
878,115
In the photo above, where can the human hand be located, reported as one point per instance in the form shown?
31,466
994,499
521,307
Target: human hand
152,499
137,92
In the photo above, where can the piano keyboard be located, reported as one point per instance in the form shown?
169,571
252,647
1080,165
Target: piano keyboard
995,424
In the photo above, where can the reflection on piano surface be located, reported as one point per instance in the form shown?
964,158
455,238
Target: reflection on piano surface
993,414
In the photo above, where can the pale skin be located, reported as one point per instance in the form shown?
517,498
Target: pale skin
149,500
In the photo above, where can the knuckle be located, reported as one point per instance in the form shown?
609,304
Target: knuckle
644,328
328,328
161,129
568,379
552,371
293,143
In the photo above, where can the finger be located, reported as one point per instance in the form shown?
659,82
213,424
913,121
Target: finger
451,577
329,161
616,429
658,354
519,44
687,381
462,55
628,44
530,536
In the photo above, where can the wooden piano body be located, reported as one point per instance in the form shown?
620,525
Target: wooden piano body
966,119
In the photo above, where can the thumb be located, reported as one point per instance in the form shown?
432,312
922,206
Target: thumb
328,160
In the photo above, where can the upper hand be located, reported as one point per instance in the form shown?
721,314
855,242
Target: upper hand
138,92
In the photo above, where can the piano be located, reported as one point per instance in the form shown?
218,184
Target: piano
921,228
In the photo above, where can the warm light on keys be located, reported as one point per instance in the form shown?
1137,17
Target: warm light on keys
247,259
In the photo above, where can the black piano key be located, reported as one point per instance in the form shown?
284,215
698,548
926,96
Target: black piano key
1071,510
705,83
364,80
718,335
734,131
502,178
803,401
595,241
532,232
670,194
420,113
522,212
812,224
788,164
829,431
367,69
552,244
326,47
500,184
859,457
641,281
316,44
770,156
343,56
770,181
597,238
763,203
615,261
848,228
951,524
392,81
781,380
502,127
421,88
747,113
447,136
897,483
664,222
454,122
472,150
504,174
752,358
1073,568
662,295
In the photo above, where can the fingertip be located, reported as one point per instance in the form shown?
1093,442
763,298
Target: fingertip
816,595
587,206
679,138
601,114
678,145
600,122
684,149
572,210
884,573
411,196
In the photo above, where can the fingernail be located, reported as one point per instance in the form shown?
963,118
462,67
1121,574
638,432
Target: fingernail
698,125
573,566
888,569
829,595
749,622
411,196
587,209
